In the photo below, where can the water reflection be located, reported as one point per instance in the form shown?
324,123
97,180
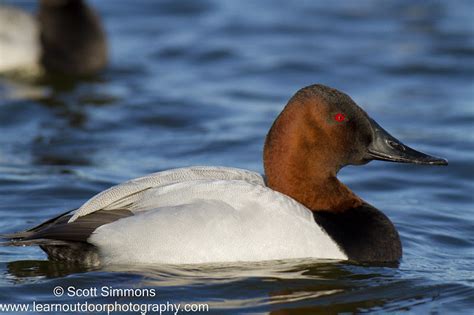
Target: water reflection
31,269
301,286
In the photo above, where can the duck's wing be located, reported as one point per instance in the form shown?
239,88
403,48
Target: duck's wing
121,201
125,195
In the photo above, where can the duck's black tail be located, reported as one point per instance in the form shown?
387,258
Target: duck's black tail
30,236
66,241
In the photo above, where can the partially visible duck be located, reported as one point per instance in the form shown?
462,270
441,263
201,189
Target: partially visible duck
216,214
66,38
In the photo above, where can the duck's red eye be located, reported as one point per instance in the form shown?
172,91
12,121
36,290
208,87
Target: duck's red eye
339,117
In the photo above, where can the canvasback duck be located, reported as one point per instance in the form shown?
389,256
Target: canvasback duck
219,214
66,38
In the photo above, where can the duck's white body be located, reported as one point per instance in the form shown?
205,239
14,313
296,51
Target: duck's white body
19,40
205,214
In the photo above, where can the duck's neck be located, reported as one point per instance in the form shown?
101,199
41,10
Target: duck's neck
297,164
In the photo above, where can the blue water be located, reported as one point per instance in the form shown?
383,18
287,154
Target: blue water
199,83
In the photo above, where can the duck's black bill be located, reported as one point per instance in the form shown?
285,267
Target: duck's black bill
386,148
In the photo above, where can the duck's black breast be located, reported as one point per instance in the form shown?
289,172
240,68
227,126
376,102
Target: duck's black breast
364,234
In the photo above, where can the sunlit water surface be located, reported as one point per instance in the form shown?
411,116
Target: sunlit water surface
199,83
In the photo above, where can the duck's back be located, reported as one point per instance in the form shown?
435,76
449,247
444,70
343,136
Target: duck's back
19,39
187,215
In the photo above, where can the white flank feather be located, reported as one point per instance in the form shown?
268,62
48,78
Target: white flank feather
205,221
